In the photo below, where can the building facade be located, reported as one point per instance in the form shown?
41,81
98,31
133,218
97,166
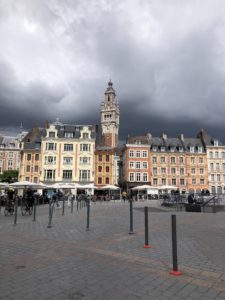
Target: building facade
68,153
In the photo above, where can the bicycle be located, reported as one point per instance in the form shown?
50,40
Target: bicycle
25,208
9,208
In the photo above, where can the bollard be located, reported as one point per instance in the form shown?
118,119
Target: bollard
16,207
34,210
80,203
146,245
175,271
77,204
51,206
88,215
71,205
63,209
131,217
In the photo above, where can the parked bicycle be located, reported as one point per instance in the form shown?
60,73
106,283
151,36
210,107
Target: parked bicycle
9,207
26,209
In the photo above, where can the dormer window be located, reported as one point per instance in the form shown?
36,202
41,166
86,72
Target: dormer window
181,149
163,149
51,134
68,135
85,135
192,149
172,148
154,148
215,143
200,149
138,142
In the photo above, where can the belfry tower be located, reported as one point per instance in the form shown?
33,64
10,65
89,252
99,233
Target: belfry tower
110,117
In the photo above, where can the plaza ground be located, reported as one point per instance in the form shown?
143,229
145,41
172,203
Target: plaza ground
68,262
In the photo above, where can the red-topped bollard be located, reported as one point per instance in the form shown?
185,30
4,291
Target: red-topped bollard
175,271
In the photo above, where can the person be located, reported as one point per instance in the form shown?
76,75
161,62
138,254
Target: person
124,196
29,197
190,199
55,198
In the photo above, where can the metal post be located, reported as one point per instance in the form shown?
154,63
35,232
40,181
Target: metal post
131,217
80,203
88,215
16,207
174,247
146,245
50,213
71,205
34,210
77,204
63,206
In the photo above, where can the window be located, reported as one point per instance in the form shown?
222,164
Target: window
202,170
212,177
163,170
163,160
107,180
99,169
223,177
28,169
10,154
36,169
49,174
145,165
155,181
138,153
85,147
85,135
145,177
138,165
173,160
193,181
163,181
100,157
223,154
50,160
216,143
28,156
138,142
27,178
173,170
99,180
154,171
216,154
51,134
192,149
210,154
50,146
192,160
181,159
217,167
201,160
192,170
67,174
67,160
181,149
107,158
84,175
174,182
223,165
202,181
144,153
68,147
36,157
131,165
154,159
138,176
131,153
182,182
218,177
211,166
163,149
68,135
181,171
85,160
131,176
35,179
154,148
172,149
200,149
107,169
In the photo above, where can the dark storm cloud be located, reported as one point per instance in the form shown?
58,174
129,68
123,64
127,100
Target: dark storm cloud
166,59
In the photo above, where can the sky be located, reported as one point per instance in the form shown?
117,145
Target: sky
166,59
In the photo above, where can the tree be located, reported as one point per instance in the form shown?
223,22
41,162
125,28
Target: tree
9,176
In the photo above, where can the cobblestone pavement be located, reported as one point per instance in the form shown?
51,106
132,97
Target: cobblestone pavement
68,262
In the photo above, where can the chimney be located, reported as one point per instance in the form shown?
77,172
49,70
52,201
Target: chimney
164,136
181,137
149,136
46,124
